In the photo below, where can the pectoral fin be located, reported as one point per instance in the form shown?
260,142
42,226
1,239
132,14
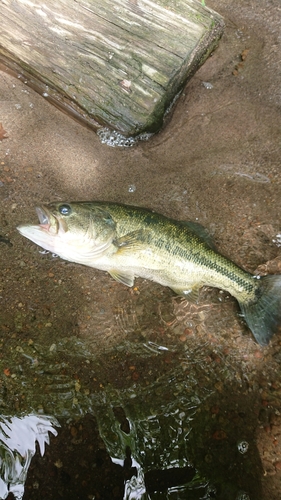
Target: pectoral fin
125,278
191,294
132,242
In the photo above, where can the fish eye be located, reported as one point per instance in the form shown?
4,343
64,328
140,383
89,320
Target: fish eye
65,209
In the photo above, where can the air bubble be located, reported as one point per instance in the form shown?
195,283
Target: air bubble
243,447
277,240
239,33
132,188
145,136
113,138
207,85
242,495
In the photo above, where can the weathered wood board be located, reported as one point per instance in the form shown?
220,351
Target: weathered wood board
112,63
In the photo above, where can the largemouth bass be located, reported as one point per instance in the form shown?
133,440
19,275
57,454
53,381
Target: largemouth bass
128,241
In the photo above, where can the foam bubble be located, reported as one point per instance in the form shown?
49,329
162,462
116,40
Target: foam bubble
113,138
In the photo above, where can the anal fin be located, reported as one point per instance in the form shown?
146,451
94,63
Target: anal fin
125,278
191,294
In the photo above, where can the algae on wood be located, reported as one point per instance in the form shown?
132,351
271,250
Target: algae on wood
112,63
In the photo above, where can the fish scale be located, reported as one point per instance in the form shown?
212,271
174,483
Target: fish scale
130,241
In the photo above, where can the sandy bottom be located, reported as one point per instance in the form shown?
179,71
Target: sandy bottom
70,334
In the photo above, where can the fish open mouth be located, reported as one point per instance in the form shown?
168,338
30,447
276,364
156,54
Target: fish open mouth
43,217
48,221
45,233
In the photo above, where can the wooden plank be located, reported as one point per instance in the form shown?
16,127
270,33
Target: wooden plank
111,63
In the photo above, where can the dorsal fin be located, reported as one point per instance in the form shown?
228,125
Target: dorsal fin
200,231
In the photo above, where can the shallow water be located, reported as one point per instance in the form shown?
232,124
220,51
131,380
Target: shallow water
154,397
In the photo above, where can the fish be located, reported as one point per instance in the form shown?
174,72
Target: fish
129,242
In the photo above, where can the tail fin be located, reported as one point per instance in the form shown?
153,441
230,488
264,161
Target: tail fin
263,315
